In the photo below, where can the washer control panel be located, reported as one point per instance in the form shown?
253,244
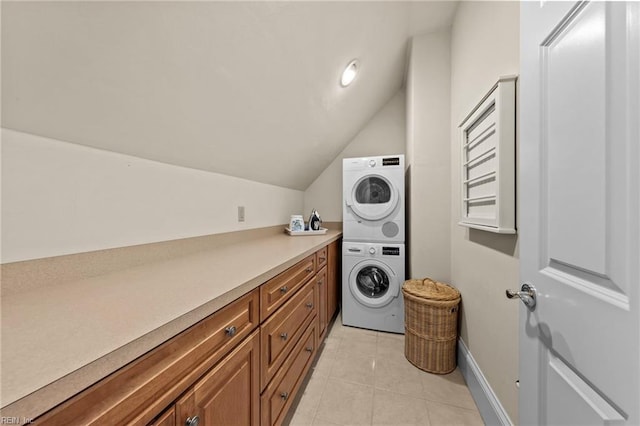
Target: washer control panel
362,249
391,251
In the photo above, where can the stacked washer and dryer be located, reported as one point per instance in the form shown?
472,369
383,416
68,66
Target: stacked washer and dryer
373,255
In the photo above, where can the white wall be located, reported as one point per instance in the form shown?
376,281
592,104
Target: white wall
484,46
384,134
61,198
428,172
210,85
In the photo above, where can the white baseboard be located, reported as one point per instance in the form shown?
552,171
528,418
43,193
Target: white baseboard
491,410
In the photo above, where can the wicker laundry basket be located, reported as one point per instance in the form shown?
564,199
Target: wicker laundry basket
431,325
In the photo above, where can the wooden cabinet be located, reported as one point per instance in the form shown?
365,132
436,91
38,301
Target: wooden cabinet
168,418
280,332
334,272
328,279
321,283
287,355
138,392
229,393
279,395
242,365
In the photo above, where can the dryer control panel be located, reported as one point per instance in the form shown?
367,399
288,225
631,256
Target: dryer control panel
391,161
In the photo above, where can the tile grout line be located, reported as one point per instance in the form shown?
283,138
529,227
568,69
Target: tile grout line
375,370
315,409
340,338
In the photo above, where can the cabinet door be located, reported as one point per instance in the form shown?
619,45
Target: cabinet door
229,394
321,282
333,278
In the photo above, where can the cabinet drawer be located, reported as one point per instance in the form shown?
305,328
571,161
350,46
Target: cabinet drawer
280,333
138,392
321,258
280,394
279,289
168,418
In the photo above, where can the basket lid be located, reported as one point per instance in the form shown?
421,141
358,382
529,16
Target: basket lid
429,289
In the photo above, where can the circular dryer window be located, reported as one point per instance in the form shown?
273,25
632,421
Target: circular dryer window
373,197
373,190
373,284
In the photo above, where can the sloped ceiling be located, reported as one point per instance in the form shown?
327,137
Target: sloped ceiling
248,89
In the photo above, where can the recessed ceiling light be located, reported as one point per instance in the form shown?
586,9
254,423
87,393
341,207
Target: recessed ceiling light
349,73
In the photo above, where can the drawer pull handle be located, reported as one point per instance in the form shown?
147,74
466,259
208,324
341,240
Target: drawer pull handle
231,331
284,336
284,395
322,259
309,269
309,305
192,421
284,289
308,349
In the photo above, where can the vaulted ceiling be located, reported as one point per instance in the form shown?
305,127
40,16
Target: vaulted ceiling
248,89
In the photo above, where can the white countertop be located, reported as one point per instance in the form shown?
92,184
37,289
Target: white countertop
58,340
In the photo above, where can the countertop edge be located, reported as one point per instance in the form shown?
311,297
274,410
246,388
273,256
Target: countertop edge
49,396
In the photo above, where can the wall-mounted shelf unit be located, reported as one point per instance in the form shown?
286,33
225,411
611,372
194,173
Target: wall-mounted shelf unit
488,196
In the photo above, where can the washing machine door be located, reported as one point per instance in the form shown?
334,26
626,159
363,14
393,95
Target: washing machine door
373,197
373,284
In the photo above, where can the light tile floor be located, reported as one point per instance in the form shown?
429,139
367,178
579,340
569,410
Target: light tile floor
363,378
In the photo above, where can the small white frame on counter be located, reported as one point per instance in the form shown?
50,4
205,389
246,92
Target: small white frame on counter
488,161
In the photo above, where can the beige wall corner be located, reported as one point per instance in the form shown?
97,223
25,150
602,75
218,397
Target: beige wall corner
428,168
484,46
384,134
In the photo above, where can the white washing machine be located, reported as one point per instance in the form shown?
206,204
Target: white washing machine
372,278
373,194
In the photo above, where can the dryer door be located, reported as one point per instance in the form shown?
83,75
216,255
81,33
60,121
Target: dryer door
373,284
373,197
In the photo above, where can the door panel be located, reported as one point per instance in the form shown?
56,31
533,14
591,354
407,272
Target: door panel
575,141
571,400
579,212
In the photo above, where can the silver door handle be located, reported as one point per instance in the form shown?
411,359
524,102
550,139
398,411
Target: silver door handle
527,294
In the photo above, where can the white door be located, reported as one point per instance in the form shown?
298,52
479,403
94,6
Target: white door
579,212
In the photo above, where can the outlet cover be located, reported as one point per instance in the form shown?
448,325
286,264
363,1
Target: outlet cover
240,213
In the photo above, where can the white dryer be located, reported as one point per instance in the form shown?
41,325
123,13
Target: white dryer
372,278
373,194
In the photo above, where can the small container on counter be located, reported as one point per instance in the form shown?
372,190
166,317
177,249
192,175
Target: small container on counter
296,223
